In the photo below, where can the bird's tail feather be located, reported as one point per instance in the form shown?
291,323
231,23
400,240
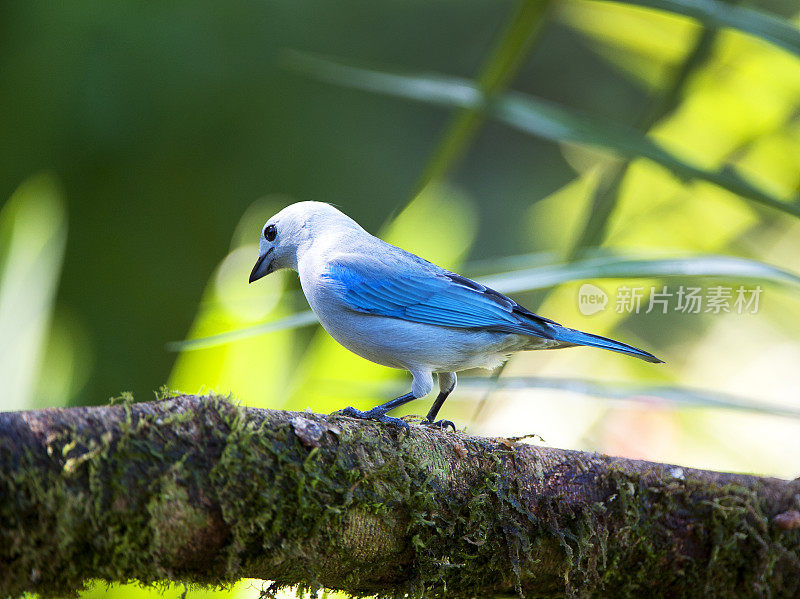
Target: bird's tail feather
580,338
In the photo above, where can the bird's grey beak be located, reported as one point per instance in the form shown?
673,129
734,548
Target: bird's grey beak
262,267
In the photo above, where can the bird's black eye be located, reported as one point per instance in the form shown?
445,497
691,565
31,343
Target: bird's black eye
270,232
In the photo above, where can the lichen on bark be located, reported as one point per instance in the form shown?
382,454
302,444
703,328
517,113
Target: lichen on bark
198,490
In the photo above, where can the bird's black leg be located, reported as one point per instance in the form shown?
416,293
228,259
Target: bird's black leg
437,404
378,413
430,419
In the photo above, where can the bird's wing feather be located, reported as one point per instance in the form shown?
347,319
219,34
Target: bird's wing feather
430,295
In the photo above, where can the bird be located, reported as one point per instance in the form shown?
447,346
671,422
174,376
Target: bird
394,308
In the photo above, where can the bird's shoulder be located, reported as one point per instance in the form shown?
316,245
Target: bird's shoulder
372,257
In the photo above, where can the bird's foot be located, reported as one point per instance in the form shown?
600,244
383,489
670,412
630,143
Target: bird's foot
439,424
376,416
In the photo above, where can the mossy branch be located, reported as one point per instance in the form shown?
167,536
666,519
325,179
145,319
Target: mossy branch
197,490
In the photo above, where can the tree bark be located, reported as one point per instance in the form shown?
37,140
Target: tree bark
198,490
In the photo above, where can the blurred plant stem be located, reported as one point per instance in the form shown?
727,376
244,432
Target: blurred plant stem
516,279
724,13
605,197
514,44
539,118
523,28
660,396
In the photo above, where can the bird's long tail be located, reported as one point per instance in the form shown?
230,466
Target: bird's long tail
580,338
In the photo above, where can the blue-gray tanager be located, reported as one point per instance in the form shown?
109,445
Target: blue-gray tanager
394,308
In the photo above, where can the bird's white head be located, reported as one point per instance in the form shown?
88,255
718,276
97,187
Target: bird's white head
294,229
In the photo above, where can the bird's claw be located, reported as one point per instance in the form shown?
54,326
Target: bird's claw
439,424
376,416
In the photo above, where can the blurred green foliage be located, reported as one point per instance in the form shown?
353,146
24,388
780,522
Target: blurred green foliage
552,142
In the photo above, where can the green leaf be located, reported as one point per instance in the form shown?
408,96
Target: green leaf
618,266
532,115
33,234
295,321
714,13
605,265
676,395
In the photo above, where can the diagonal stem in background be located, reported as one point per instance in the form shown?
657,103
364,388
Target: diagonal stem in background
606,195
523,28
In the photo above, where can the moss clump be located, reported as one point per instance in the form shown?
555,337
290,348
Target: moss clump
177,524
694,538
113,498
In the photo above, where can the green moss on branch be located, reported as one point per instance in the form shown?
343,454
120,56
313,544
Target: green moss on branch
198,490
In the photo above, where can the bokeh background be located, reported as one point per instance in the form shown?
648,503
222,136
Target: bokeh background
537,145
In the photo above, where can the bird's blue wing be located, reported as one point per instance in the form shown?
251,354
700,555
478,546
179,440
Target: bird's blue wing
435,297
